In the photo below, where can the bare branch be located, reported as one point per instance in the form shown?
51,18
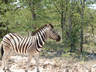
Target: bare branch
18,8
92,27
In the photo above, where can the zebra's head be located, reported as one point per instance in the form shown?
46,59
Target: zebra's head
48,32
52,34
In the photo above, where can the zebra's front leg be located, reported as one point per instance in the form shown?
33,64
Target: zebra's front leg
28,63
37,62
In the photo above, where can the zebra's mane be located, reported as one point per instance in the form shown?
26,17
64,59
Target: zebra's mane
33,33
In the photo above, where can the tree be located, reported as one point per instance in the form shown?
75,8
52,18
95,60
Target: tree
82,24
3,23
69,12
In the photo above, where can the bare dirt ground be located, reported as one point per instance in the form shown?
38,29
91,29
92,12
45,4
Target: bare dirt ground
56,64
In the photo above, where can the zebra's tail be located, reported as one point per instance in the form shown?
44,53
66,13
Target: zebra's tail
1,50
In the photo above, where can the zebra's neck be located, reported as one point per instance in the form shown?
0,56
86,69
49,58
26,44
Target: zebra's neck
40,38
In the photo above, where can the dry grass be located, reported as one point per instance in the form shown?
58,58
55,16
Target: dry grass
56,64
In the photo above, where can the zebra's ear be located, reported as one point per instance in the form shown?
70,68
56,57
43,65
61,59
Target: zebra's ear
32,33
50,25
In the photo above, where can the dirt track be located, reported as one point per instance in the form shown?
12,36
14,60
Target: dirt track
18,63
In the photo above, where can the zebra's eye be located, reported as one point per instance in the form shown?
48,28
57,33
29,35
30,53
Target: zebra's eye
53,31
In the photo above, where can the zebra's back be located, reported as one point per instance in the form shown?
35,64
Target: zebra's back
19,44
12,40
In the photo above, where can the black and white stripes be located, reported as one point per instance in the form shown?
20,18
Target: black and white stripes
20,44
30,45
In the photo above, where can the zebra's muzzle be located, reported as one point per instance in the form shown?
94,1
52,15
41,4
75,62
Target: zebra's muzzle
58,38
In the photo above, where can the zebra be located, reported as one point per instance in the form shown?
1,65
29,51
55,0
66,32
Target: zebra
31,45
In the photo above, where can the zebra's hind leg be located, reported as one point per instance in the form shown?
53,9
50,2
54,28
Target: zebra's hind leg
28,63
5,65
5,59
7,70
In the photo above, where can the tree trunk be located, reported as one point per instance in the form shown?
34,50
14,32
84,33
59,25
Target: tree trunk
62,24
70,34
81,42
5,1
32,9
82,18
63,19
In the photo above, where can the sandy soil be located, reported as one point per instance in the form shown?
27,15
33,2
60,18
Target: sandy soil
57,64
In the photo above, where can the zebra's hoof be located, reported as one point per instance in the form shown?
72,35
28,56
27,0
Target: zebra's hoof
38,70
26,70
6,70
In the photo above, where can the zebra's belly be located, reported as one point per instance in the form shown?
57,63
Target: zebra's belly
26,51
